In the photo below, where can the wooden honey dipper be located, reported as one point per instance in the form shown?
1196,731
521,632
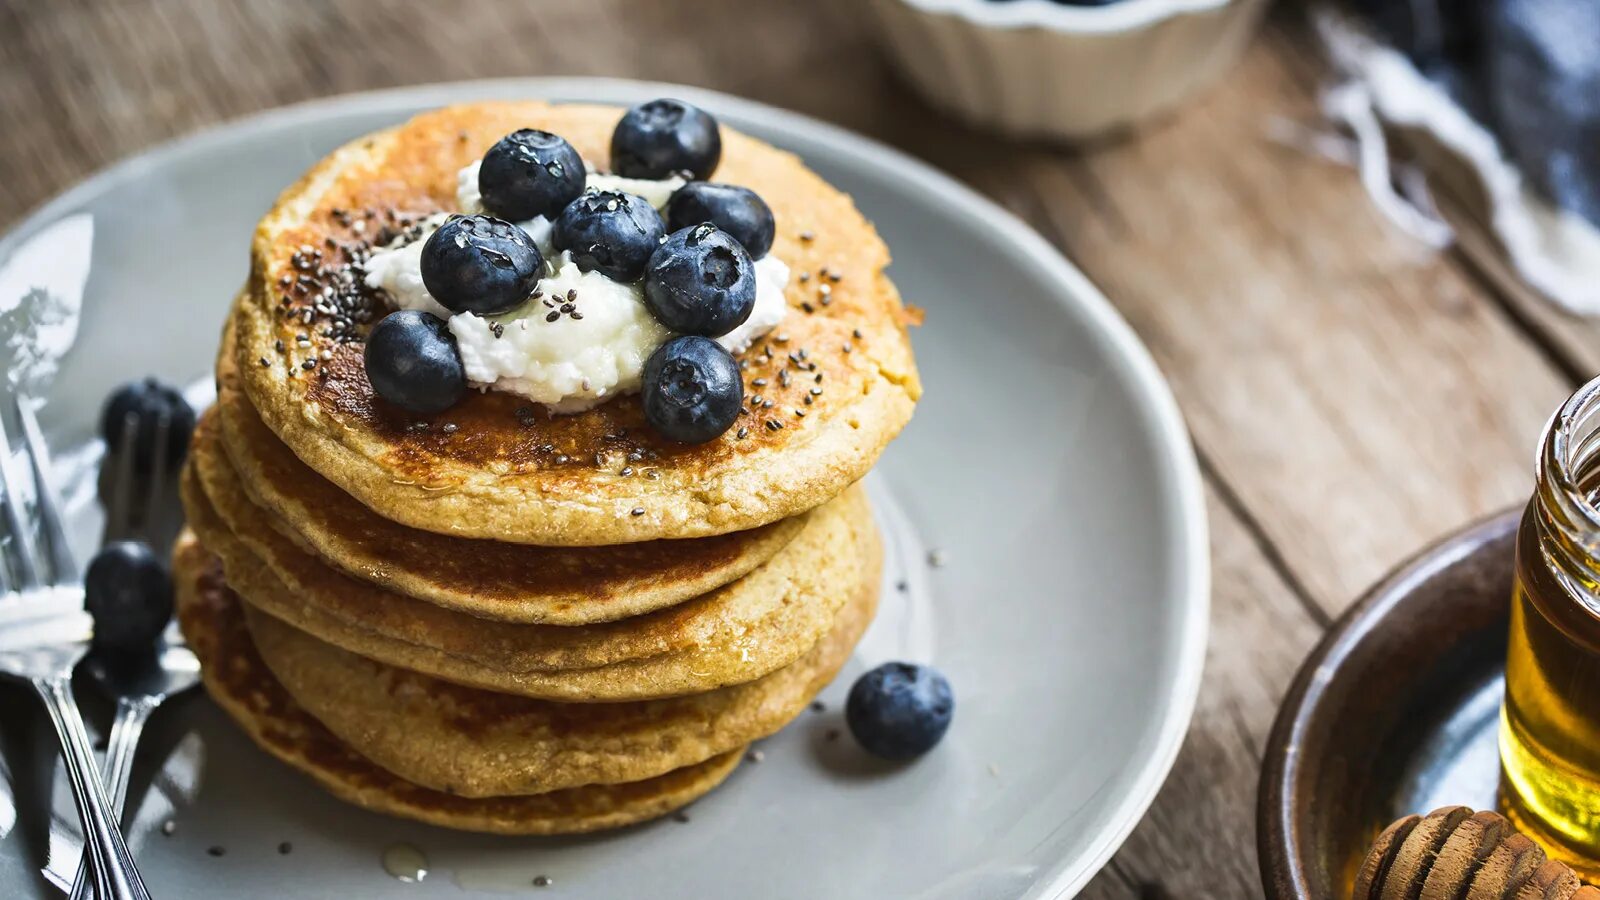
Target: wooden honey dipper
1454,853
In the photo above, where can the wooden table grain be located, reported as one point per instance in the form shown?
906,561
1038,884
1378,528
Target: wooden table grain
1351,394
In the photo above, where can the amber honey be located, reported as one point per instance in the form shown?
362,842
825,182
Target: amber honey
1550,722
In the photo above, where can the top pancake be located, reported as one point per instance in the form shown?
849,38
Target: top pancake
557,480
491,579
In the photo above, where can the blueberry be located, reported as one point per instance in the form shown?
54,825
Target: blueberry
530,173
129,594
611,232
692,389
899,710
700,281
147,401
412,362
665,137
480,264
739,211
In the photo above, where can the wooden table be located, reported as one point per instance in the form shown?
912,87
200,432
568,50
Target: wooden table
1351,394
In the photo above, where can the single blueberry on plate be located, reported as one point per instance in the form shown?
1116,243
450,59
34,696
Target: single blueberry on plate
480,264
530,173
739,211
692,390
700,281
147,401
899,710
413,362
665,137
129,595
611,232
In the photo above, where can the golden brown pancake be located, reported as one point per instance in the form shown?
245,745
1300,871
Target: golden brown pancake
542,479
734,634
476,743
494,580
241,684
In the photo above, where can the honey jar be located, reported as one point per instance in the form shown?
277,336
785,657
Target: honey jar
1550,721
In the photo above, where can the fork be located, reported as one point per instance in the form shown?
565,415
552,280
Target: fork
44,631
175,668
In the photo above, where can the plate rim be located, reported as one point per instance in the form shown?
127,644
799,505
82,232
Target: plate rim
1282,868
1159,408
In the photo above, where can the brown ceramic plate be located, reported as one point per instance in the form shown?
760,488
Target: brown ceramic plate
1395,712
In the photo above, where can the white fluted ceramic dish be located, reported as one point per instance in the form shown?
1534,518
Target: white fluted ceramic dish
1047,463
1043,69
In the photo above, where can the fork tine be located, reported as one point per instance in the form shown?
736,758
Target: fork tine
46,498
119,517
154,514
23,560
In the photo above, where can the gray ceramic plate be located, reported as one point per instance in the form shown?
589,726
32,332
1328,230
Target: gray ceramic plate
1047,473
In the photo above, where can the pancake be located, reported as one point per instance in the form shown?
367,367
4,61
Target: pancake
476,743
241,684
508,582
734,634
556,480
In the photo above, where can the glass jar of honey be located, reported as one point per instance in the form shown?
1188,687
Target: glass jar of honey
1550,722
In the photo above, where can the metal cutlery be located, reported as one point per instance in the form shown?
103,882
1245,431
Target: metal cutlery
44,632
174,669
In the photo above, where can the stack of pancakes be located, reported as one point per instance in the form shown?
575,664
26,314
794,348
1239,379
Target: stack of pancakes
501,619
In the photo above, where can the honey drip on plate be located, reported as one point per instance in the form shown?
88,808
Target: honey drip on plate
405,863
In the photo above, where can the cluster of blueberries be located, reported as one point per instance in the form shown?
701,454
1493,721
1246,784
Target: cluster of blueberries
696,265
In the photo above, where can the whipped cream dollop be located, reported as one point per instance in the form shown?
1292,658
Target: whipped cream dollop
570,360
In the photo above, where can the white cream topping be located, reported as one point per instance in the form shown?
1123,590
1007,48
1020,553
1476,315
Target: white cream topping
578,361
571,363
